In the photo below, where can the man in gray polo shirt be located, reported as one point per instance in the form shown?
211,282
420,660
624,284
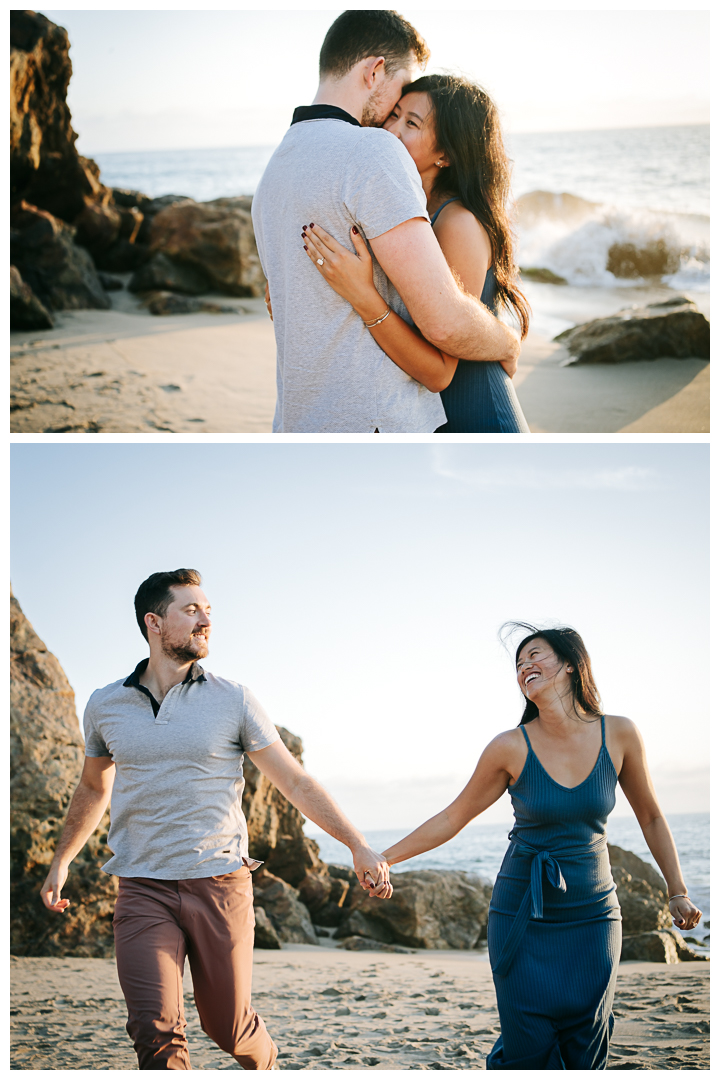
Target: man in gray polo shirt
337,166
168,743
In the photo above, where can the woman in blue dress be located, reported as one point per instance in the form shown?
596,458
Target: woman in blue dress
554,929
451,129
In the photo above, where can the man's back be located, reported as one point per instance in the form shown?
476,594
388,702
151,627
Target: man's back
331,375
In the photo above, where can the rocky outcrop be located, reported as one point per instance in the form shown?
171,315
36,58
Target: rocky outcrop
215,239
45,168
61,274
659,947
46,756
281,904
26,311
429,909
647,925
673,328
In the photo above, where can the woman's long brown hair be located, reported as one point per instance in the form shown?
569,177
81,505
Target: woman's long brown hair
467,128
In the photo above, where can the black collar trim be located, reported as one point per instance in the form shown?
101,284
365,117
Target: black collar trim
323,112
195,674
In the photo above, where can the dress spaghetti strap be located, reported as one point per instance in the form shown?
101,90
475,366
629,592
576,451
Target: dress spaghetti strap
434,218
602,724
527,740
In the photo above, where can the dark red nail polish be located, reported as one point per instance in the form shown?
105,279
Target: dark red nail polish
354,228
312,225
305,246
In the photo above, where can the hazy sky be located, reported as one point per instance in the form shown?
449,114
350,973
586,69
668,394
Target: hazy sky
167,79
358,589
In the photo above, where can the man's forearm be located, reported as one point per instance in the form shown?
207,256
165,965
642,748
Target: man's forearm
312,800
84,815
472,332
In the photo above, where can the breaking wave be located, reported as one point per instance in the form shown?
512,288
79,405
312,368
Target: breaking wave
588,243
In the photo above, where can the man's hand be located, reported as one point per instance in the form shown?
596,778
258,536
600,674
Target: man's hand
52,888
373,872
510,366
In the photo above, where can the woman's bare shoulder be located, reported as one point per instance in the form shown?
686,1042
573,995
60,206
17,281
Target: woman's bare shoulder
462,238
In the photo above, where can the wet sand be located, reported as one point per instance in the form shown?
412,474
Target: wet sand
128,371
328,1008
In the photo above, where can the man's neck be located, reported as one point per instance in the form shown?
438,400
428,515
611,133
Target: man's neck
162,673
340,93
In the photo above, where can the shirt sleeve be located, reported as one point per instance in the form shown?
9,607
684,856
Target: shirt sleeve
256,729
382,187
95,745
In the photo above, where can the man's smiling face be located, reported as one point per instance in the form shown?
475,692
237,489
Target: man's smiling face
185,627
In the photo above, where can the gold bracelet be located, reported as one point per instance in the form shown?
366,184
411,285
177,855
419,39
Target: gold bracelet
378,321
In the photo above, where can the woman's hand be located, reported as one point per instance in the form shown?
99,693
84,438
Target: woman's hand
351,276
268,304
684,913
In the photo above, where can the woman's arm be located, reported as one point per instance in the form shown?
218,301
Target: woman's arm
485,787
635,781
351,276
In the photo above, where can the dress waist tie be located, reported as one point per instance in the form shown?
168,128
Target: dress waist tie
531,904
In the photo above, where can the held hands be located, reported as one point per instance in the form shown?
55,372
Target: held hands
685,915
351,276
372,872
52,888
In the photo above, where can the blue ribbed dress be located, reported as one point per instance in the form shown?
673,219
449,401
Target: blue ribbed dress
481,396
554,930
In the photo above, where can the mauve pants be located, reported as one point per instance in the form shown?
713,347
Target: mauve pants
211,921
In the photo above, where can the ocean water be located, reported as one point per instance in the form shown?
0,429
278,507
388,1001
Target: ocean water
600,209
479,849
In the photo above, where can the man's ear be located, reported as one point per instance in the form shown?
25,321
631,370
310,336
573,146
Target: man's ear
374,66
152,623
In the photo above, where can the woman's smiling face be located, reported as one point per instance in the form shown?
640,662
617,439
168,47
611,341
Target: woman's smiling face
412,122
537,666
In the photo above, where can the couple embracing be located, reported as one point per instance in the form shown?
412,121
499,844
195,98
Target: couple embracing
382,229
168,741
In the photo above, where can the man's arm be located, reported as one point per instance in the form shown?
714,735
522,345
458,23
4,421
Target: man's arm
85,812
311,799
455,322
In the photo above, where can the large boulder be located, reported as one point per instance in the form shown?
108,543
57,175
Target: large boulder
285,911
26,311
641,892
160,272
674,327
46,758
429,909
45,168
215,238
659,947
61,274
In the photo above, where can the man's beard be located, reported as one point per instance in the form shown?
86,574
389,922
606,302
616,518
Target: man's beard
186,652
372,111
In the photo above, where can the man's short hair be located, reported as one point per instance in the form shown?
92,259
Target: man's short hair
154,593
355,35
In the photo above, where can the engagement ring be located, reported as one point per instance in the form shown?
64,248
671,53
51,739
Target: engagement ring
320,262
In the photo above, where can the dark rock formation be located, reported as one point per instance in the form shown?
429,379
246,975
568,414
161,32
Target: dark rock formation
647,927
215,238
287,914
429,909
168,303
265,933
655,259
45,168
658,946
26,311
61,274
672,328
641,893
160,272
46,756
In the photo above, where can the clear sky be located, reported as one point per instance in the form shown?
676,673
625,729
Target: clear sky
358,589
169,79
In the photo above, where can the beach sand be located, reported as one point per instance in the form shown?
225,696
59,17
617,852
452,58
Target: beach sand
128,371
328,1008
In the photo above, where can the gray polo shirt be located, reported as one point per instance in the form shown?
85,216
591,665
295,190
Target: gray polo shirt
176,808
331,374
